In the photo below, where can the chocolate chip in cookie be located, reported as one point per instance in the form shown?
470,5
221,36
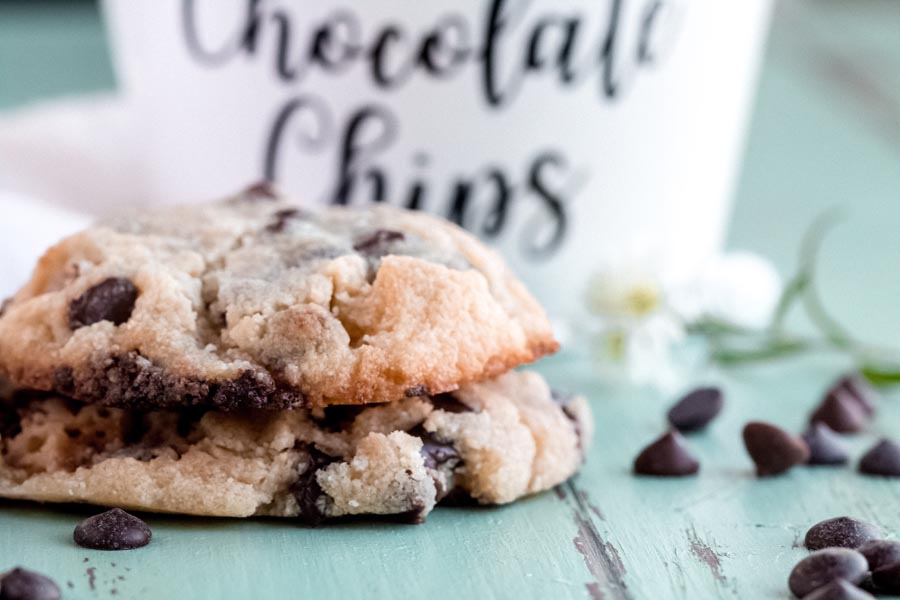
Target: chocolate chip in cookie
281,218
110,300
378,243
307,491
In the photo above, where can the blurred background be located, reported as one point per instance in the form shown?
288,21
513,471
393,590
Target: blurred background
825,132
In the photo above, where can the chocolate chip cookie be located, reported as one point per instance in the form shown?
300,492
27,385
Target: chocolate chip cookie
258,303
489,443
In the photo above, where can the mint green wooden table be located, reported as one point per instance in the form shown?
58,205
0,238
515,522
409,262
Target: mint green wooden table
826,132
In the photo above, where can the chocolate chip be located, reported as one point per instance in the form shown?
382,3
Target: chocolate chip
840,532
841,412
450,403
113,530
307,491
666,457
883,459
416,391
261,190
378,242
839,589
281,218
887,579
857,388
696,409
772,449
436,452
822,567
880,553
21,584
825,446
110,300
4,306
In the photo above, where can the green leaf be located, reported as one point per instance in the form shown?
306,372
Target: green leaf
881,376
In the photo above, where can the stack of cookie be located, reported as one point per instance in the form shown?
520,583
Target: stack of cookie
251,357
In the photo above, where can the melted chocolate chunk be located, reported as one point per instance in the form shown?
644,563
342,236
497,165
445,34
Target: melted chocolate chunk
696,409
110,300
450,403
132,381
113,530
20,584
880,553
841,412
435,452
839,589
772,449
883,460
378,243
825,446
307,491
840,532
281,218
416,391
666,457
825,566
261,190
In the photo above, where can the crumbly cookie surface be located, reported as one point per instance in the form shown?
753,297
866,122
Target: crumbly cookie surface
491,442
255,302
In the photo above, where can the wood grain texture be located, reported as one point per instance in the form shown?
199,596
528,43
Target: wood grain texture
819,139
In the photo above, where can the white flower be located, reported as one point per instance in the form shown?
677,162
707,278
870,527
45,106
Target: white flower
636,330
641,316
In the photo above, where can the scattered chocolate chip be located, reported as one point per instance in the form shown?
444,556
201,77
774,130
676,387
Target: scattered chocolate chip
307,491
883,459
436,452
839,589
880,553
841,412
666,457
21,584
281,218
840,532
450,403
112,530
825,446
859,390
262,190
416,391
822,567
696,409
110,300
887,579
378,242
772,449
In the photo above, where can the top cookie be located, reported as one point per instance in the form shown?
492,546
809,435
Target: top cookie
254,302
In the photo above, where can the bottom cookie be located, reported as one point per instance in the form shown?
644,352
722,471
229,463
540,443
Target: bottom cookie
491,443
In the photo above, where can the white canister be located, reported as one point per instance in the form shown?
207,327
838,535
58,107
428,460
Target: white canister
564,132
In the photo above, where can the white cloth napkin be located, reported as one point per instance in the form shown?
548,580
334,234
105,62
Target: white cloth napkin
61,165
